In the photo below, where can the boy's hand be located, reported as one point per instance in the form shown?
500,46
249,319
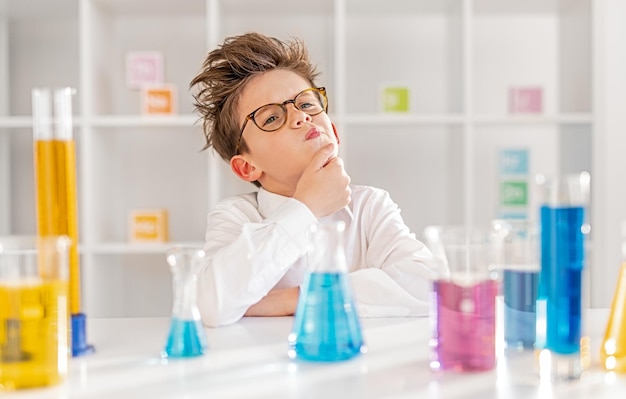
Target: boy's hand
324,185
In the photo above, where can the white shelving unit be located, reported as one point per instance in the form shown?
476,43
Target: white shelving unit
459,57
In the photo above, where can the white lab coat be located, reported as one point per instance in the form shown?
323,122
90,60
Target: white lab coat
257,241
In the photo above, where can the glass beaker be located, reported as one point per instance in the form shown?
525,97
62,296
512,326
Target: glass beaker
34,311
517,260
559,300
186,337
463,316
326,325
613,350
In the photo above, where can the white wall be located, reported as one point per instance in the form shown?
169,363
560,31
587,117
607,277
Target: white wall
609,147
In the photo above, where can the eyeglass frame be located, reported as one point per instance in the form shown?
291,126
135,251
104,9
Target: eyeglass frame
250,116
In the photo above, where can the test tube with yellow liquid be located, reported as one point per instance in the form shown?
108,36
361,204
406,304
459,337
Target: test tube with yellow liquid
613,350
55,176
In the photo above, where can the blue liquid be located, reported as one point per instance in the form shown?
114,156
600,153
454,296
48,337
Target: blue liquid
186,339
560,281
326,325
520,296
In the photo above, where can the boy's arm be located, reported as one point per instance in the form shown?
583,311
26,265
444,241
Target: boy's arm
279,302
397,277
247,256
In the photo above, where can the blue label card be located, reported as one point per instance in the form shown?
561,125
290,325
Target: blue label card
514,162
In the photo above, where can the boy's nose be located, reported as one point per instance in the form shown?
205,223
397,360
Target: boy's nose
296,117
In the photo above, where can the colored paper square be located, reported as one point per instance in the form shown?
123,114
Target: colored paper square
514,162
148,225
514,193
526,100
144,68
159,100
395,99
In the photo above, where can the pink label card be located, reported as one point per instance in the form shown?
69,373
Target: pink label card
526,100
143,68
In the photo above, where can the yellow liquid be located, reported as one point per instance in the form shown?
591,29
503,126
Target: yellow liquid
34,335
613,350
55,165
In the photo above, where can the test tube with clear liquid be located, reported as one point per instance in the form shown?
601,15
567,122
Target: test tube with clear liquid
326,325
186,337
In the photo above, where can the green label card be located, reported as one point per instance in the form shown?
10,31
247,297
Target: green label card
395,99
513,193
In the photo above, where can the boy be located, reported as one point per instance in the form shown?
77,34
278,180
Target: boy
263,113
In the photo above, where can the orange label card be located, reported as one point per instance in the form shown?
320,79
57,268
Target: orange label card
159,100
148,226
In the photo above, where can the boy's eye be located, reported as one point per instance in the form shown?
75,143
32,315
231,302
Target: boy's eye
269,117
305,105
270,120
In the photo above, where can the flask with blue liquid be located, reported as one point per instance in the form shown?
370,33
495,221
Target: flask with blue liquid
559,299
186,337
326,325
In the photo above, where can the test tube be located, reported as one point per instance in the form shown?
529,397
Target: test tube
55,176
559,301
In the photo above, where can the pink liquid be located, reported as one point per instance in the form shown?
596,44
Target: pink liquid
464,326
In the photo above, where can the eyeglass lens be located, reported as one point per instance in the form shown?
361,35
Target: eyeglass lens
272,116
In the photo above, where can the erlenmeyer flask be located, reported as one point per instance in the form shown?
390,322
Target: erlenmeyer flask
186,336
326,326
613,350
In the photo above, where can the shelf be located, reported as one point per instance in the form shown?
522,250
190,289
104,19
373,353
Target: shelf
382,119
516,7
275,8
395,7
123,248
43,9
459,59
563,119
153,7
10,122
188,120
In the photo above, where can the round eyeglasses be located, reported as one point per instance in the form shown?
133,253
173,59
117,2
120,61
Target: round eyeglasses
271,117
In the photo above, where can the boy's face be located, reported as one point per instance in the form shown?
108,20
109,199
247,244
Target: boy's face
277,159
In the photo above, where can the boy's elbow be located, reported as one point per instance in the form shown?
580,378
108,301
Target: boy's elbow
215,315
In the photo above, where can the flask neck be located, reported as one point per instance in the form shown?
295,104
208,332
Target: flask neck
327,252
185,264
185,291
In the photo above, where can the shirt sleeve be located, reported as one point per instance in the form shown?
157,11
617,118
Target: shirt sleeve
397,279
247,255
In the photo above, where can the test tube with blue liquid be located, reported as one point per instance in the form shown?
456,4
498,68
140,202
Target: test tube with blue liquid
326,325
186,337
517,254
559,302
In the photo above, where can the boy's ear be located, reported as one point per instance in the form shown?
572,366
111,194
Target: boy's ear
335,131
244,169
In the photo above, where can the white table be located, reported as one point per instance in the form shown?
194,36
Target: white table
249,360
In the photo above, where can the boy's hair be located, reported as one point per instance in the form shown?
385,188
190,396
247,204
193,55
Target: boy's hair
225,73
